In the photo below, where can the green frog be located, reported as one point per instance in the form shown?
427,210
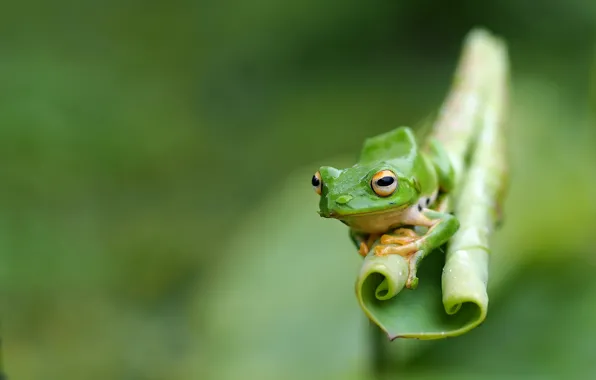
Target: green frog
396,190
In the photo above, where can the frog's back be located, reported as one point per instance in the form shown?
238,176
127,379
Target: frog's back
399,148
399,143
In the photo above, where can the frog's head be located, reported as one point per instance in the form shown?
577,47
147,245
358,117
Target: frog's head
362,189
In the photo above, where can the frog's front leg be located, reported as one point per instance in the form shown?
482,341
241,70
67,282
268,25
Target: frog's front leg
441,227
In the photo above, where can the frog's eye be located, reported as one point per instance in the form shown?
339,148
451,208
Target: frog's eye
317,182
384,183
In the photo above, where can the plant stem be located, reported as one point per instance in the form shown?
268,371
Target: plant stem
469,126
457,122
482,191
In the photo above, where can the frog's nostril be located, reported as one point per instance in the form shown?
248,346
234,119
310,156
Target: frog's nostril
343,199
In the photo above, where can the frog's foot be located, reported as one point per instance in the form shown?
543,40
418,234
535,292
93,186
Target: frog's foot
412,255
406,243
412,281
400,236
364,248
405,232
404,250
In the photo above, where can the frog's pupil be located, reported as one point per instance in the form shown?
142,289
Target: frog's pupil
385,181
315,181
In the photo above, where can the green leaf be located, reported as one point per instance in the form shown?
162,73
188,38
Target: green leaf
420,313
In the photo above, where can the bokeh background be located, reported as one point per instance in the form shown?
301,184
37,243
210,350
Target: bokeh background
156,216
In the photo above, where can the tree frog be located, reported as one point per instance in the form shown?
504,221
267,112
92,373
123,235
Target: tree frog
395,186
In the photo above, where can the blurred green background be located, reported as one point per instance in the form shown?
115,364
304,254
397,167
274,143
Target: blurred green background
156,217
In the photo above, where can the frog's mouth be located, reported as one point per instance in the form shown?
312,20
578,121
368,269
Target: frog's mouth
355,213
375,221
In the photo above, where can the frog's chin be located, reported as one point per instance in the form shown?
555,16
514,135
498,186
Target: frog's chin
375,221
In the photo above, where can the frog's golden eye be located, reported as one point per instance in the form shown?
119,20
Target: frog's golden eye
384,183
317,182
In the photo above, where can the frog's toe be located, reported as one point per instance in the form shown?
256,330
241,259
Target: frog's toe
401,240
405,232
392,249
412,282
400,236
363,250
413,262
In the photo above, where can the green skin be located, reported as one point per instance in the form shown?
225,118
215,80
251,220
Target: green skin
424,180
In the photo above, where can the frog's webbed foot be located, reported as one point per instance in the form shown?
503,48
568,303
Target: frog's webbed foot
364,247
403,242
392,249
400,236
